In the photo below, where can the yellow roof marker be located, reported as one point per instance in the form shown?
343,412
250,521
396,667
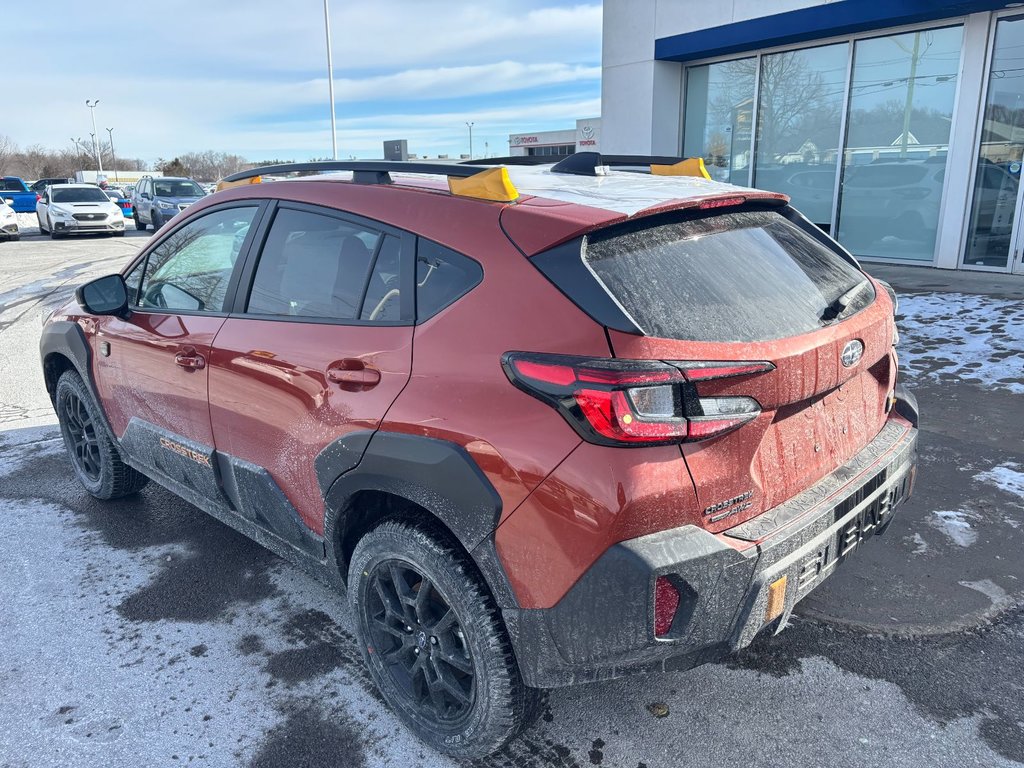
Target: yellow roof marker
691,166
492,184
221,185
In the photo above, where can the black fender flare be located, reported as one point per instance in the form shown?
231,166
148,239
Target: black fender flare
438,475
67,339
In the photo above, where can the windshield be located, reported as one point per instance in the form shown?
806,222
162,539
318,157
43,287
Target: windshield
749,276
80,195
177,189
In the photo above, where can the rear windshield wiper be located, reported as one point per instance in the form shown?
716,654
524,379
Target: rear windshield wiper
837,307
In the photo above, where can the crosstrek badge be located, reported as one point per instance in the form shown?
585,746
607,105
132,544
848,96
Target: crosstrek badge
188,453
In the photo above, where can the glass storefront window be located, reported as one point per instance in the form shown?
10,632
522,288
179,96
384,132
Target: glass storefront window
894,163
800,110
719,118
999,156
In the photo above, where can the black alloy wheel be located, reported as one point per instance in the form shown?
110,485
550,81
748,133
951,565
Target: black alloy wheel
96,460
83,444
434,640
421,642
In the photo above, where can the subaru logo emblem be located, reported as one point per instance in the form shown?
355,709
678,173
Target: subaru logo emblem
852,353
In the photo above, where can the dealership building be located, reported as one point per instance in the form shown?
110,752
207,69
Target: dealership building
895,125
585,137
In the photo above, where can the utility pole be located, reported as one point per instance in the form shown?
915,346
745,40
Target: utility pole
470,126
113,157
330,81
908,106
95,146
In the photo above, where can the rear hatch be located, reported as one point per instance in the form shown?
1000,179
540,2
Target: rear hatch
768,320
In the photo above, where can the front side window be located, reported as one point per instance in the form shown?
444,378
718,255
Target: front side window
313,265
190,269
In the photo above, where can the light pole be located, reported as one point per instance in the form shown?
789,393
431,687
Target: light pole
92,137
330,81
470,126
78,148
113,157
95,146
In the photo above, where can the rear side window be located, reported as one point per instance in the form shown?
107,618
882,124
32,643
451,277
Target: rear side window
383,294
743,276
442,277
313,266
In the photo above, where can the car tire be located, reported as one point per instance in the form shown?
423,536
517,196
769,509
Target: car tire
42,230
55,235
157,221
138,224
14,238
458,690
117,234
90,447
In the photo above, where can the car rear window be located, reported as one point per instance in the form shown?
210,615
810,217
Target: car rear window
742,276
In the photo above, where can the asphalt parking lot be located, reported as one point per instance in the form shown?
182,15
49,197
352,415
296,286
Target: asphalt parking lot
142,632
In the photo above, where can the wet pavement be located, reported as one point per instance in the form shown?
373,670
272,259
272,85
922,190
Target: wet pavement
142,632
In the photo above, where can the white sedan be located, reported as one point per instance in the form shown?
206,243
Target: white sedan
8,222
68,209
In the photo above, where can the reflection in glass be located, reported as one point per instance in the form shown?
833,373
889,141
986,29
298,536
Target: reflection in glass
800,106
719,118
894,163
999,157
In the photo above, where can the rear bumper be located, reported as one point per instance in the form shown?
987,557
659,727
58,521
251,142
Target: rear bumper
603,627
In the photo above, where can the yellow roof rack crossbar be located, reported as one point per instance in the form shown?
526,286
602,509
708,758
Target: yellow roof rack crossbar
225,184
491,184
691,166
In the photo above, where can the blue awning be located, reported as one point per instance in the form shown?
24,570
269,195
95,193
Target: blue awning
815,23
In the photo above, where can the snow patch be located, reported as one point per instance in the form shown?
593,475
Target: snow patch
1007,477
920,545
954,523
1000,599
18,456
958,336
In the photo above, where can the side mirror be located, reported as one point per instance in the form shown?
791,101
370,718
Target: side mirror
146,196
104,296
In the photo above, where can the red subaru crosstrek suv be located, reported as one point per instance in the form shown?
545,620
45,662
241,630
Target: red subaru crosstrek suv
546,424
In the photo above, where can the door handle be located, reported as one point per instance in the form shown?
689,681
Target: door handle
190,360
353,375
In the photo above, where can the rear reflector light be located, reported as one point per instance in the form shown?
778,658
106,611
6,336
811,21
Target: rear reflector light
666,603
634,402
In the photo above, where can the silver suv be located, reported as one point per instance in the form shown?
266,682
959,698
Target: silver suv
156,200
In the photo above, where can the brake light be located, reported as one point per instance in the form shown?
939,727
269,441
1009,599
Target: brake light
666,603
634,402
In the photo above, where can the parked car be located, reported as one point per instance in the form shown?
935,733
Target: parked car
545,431
42,184
14,189
157,200
118,196
76,209
8,220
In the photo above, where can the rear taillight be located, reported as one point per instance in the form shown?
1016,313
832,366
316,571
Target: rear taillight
634,402
666,603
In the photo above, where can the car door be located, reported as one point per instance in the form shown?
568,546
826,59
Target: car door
151,365
316,351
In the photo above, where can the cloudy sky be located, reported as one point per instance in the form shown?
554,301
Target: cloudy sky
250,76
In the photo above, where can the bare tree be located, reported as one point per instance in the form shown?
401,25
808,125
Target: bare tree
7,149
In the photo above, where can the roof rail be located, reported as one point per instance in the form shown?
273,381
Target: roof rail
487,183
368,171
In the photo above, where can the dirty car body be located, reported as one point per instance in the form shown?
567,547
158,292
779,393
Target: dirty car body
645,414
